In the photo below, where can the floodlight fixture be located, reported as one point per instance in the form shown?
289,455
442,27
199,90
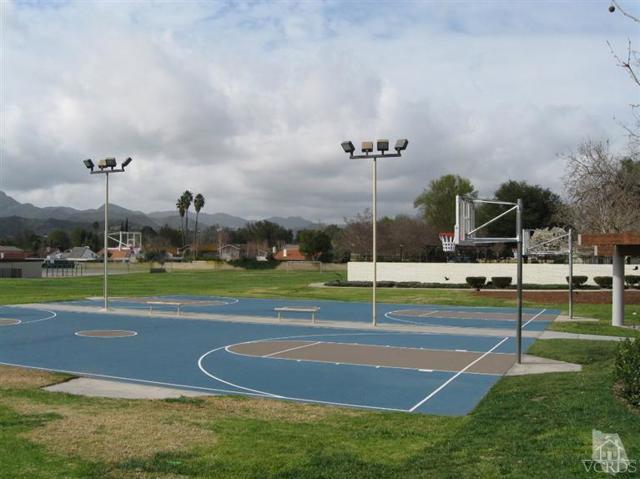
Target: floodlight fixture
383,145
367,147
107,163
348,147
126,162
401,145
89,164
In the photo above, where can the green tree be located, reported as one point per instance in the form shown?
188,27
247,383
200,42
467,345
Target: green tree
262,231
181,211
437,201
59,239
314,243
169,236
541,207
198,204
187,199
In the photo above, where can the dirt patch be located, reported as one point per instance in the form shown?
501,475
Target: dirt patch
114,434
114,431
20,378
631,296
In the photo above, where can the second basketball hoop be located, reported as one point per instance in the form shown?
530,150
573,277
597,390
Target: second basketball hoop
448,245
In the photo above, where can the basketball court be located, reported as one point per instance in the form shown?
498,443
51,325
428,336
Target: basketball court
411,362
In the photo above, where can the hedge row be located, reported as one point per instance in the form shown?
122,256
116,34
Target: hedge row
497,282
606,282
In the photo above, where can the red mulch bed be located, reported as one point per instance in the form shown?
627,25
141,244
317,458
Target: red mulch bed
631,296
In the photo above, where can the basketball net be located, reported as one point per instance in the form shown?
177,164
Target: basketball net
448,246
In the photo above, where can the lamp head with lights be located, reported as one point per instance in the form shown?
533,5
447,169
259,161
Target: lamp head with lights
382,145
367,147
107,163
126,163
401,145
348,147
89,164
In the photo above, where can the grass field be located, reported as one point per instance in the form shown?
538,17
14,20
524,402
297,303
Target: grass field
535,426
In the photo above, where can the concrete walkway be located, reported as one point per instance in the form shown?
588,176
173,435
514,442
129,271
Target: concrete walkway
537,365
120,390
585,337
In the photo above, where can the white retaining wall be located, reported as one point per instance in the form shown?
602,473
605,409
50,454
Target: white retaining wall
457,272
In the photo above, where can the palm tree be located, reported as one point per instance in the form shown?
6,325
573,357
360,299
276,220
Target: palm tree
182,211
187,199
198,204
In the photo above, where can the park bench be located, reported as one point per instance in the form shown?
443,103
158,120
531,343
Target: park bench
151,304
297,309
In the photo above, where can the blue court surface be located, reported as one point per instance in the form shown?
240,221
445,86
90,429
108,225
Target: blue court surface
357,367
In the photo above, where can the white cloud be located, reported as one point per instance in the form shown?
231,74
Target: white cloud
248,103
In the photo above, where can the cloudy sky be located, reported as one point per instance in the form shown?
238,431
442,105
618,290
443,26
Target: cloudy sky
247,102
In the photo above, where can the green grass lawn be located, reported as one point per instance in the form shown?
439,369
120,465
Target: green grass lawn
534,426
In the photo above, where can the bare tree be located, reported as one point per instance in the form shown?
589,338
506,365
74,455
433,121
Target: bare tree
629,61
603,189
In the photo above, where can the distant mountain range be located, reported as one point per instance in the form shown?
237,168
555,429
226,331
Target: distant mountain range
16,217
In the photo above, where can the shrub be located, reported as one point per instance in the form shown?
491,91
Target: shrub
409,284
385,284
627,369
578,280
251,263
604,282
476,282
157,256
501,281
632,280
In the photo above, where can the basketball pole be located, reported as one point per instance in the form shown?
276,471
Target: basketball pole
105,250
519,280
570,273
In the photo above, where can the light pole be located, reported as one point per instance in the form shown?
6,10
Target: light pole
367,150
106,166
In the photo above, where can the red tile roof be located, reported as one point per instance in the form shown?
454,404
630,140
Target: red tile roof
290,253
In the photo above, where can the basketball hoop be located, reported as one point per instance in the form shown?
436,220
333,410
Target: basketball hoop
448,246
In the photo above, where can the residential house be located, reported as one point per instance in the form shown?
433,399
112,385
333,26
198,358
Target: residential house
79,253
290,252
231,252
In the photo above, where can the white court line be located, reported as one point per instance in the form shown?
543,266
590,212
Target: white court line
51,314
448,381
291,349
533,318
427,314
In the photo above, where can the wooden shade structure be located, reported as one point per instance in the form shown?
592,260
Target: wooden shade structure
616,245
